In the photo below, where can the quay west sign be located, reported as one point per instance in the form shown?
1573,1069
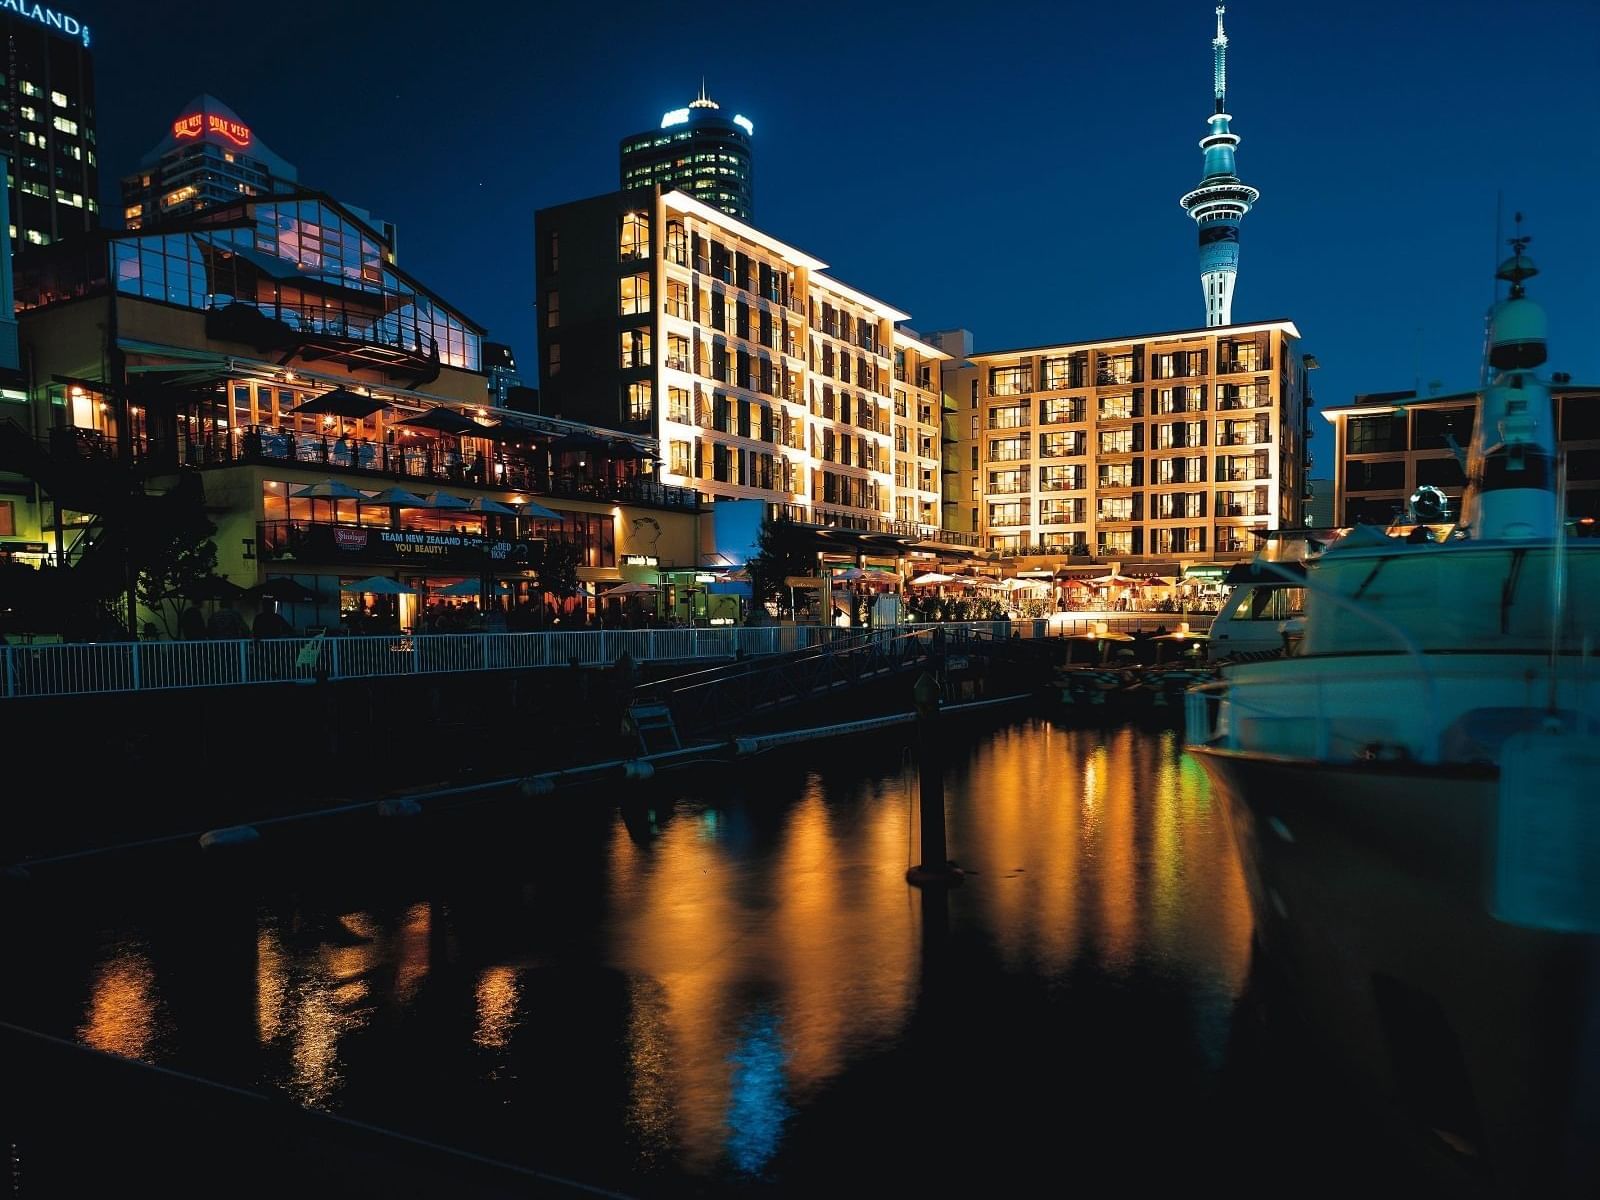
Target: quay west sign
68,24
194,124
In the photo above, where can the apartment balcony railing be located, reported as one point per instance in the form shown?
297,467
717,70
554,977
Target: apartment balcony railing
1243,437
1240,368
1075,416
1241,475
678,362
1008,520
1241,510
1062,485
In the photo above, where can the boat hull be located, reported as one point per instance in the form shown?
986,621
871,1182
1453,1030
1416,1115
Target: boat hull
1476,1040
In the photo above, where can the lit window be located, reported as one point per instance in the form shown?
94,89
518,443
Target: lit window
639,406
634,295
635,348
37,238
552,309
552,359
59,99
29,113
29,89
66,125
634,240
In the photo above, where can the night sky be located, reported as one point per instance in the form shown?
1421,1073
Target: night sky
1013,169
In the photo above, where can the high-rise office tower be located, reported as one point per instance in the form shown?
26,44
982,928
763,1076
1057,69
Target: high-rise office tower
48,125
1221,200
698,151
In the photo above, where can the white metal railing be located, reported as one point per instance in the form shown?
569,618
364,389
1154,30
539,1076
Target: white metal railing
81,668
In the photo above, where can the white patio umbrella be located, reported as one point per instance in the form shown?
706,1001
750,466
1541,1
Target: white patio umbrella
929,578
850,574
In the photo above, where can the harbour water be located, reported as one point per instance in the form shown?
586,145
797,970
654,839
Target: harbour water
724,984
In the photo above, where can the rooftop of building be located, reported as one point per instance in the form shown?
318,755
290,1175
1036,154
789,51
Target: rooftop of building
1168,335
207,119
1372,403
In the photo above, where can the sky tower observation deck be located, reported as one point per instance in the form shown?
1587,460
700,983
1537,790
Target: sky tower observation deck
1221,200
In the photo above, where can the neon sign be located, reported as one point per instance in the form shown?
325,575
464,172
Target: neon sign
188,127
745,124
678,116
49,17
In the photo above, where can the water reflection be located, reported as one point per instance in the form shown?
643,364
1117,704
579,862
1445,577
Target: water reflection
738,952
124,1007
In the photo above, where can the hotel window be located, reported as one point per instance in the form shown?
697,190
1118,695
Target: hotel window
678,352
1180,504
1063,512
552,359
1113,541
1008,449
59,99
1057,374
1175,400
975,491
65,125
1008,416
681,462
635,348
1370,435
552,250
1245,468
1115,368
1246,356
634,295
552,309
640,407
29,89
1180,470
974,383
1119,475
1008,483
974,424
677,247
1179,541
29,113
1237,395
677,299
1180,364
1177,434
1060,445
1012,513
634,239
1061,409
678,408
1010,381
1117,508
1119,441
1117,408
1064,478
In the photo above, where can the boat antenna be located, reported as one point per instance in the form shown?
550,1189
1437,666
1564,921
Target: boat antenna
1494,289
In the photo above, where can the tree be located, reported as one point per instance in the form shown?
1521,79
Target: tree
782,550
558,568
175,557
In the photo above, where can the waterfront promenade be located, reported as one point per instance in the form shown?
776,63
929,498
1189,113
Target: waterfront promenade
91,668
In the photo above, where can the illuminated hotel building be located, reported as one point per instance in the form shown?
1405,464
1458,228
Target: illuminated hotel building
1388,444
698,151
1171,446
761,376
48,125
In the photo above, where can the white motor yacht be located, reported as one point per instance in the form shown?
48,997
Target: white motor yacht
1413,793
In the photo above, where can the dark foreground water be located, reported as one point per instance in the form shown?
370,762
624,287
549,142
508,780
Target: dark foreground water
726,984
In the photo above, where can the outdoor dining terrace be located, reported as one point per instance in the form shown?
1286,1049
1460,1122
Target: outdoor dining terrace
586,469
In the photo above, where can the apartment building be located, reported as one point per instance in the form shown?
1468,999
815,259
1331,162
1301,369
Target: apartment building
761,376
1172,446
1388,444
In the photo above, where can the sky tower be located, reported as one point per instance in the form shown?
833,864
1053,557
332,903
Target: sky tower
1221,200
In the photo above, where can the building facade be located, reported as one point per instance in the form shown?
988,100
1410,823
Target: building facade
1171,446
47,128
761,376
1388,444
207,157
335,423
698,151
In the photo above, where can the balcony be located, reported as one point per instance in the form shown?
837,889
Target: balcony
1243,437
374,341
433,461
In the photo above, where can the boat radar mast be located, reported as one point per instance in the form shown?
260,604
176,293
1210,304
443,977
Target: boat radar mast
1511,463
